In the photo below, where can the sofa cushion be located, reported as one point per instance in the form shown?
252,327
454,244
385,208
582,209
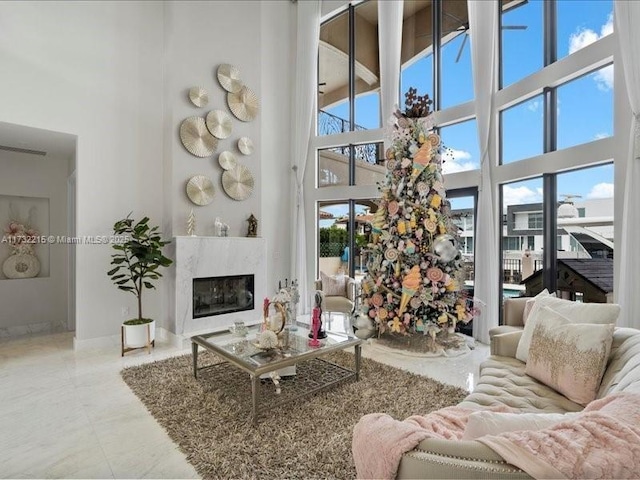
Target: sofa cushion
503,381
575,312
569,357
486,422
528,306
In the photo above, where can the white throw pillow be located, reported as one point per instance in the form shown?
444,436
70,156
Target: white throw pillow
494,423
528,305
575,312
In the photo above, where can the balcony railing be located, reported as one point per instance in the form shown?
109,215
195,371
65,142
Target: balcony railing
329,124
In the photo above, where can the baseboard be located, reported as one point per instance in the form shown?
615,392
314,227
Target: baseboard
98,342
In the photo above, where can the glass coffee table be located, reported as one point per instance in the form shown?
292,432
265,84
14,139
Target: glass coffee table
313,373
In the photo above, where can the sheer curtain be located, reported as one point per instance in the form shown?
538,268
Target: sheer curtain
627,15
483,23
390,41
308,37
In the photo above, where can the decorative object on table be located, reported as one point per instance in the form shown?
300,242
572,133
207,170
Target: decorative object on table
413,286
239,329
315,327
227,160
245,145
191,224
198,96
200,190
229,78
219,124
244,104
21,237
252,231
317,302
238,182
268,339
294,294
196,138
363,326
137,263
277,322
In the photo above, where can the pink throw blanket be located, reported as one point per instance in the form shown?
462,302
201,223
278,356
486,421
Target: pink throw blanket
379,441
602,442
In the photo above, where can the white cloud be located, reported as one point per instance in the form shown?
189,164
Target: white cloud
601,135
518,195
585,36
457,161
601,190
534,105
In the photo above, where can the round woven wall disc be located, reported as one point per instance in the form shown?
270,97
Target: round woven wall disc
245,145
229,78
196,138
198,96
244,104
200,190
238,182
219,124
227,160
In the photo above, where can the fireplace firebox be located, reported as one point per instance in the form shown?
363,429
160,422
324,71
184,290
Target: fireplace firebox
222,295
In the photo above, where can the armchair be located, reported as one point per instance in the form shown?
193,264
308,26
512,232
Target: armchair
333,302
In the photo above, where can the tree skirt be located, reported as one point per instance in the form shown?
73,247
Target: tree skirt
310,437
444,345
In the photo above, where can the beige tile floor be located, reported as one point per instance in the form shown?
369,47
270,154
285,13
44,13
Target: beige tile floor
68,414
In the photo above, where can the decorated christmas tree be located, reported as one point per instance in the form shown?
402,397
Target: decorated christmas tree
413,287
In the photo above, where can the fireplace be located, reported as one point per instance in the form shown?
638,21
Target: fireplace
222,295
207,272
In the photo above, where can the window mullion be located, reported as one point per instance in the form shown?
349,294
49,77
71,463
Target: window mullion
436,16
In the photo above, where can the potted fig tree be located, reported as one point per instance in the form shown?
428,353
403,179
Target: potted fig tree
137,264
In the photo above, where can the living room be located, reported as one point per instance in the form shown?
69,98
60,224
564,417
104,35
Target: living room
103,88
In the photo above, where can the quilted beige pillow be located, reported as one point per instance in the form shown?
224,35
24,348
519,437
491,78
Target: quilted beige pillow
575,312
569,357
334,286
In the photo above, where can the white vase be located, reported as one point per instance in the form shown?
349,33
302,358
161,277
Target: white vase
21,265
136,336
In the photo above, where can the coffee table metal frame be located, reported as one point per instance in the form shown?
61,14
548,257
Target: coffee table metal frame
255,371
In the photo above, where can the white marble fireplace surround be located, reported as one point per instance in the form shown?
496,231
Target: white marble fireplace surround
202,257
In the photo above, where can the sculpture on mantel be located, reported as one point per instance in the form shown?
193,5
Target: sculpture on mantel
253,226
191,224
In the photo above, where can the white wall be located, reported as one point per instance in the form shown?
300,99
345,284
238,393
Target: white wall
116,75
35,304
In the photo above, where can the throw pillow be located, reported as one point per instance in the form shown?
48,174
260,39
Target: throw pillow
334,286
494,423
569,357
529,304
575,312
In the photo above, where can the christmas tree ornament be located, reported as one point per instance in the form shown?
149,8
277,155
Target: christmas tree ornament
445,247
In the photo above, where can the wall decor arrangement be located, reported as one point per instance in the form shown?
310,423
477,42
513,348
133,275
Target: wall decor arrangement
200,190
196,138
198,96
21,234
219,124
238,182
201,136
227,160
245,145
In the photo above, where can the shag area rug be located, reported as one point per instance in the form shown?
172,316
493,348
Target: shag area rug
310,437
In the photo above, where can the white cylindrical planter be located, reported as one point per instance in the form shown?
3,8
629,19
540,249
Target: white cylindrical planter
138,336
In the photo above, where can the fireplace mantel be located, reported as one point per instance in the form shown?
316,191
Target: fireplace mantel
201,257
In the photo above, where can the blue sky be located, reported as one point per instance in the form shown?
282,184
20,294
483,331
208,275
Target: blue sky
580,22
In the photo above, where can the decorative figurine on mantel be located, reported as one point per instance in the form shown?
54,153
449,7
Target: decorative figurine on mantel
191,224
253,226
217,227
